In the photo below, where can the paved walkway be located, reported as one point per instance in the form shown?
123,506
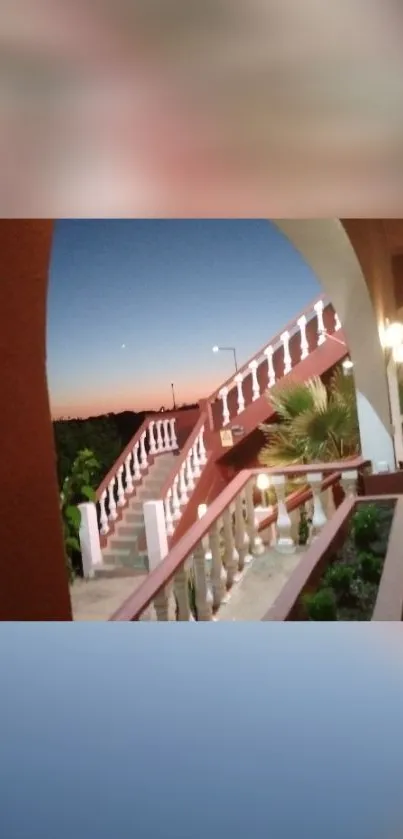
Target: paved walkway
259,586
98,599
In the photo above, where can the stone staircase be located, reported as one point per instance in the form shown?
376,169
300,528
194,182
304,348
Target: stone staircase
126,553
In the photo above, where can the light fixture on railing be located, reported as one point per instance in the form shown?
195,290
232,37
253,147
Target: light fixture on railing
392,335
347,365
263,485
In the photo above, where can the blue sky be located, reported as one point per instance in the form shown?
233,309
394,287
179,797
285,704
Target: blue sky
168,290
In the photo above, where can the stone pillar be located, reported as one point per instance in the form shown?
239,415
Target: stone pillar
34,583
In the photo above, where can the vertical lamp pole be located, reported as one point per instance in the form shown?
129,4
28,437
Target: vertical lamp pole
173,396
228,349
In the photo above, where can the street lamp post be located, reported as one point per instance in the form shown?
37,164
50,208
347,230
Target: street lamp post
228,349
173,396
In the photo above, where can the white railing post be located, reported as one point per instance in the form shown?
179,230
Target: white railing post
189,473
156,532
183,496
103,518
255,382
349,482
129,479
91,553
285,338
271,373
112,503
160,444
319,519
321,326
255,540
202,448
136,464
121,492
223,394
241,400
285,543
168,513
153,447
195,460
143,453
174,442
176,504
166,443
304,341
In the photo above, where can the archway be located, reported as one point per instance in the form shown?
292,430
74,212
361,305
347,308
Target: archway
34,584
351,261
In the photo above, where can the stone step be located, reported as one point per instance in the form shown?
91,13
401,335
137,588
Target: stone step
125,558
133,516
111,570
127,530
122,543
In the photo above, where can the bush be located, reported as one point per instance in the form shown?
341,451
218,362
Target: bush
340,578
365,526
370,567
321,606
76,489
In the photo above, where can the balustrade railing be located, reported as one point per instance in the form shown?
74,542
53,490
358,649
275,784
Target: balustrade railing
154,437
216,549
301,336
182,481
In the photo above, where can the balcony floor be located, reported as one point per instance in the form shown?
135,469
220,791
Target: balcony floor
259,586
97,600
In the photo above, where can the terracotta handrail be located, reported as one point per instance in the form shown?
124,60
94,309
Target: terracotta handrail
203,419
274,341
127,450
136,604
298,497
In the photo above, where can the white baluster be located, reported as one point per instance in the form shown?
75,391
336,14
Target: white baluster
136,464
204,598
319,516
143,453
168,513
349,482
241,535
337,324
195,460
153,447
285,542
112,503
121,492
223,394
218,575
176,504
255,541
304,341
231,556
202,449
103,518
160,444
285,337
174,442
271,373
189,473
162,603
166,441
129,479
183,496
255,383
241,401
181,590
321,326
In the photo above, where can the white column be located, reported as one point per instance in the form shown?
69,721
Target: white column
204,598
241,535
241,401
202,449
176,504
183,496
103,518
255,383
218,575
195,459
348,482
181,590
112,503
168,513
231,557
223,394
129,479
153,447
271,373
393,385
304,341
319,516
285,542
165,443
174,442
255,540
121,492
143,453
136,464
376,440
189,474
285,337
160,444
321,326
156,534
91,554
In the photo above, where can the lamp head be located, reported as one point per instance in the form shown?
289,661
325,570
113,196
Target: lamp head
263,481
215,349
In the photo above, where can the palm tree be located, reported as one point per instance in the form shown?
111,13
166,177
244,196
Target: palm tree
315,423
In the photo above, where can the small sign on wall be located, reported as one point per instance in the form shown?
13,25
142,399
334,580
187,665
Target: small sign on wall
226,438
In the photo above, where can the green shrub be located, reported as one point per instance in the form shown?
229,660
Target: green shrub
339,577
303,527
76,489
321,606
365,526
370,567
